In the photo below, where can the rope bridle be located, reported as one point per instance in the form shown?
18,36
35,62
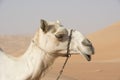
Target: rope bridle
67,57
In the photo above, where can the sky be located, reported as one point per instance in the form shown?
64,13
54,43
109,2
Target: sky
87,16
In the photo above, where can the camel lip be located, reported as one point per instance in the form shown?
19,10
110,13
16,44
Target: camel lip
88,57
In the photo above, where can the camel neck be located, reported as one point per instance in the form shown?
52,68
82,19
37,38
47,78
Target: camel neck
38,60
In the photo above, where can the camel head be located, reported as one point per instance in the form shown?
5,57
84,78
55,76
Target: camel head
53,38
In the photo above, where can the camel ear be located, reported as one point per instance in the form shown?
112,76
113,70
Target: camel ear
44,25
58,22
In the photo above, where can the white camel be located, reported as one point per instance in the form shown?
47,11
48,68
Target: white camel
49,42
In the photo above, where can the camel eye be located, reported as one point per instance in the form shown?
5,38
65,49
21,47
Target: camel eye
60,36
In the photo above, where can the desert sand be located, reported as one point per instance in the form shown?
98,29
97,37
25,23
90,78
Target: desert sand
105,64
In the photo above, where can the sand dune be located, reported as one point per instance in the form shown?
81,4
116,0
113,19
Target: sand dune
105,64
107,43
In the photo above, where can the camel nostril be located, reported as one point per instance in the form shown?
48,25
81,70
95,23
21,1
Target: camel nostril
86,42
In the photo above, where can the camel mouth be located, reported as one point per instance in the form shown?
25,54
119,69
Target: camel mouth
88,57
